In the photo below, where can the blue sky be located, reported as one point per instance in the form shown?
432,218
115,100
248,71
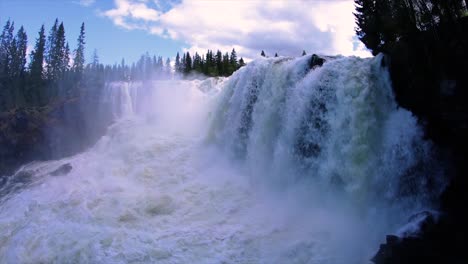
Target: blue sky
128,28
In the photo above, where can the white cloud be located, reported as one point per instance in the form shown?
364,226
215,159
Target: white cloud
286,27
132,14
86,2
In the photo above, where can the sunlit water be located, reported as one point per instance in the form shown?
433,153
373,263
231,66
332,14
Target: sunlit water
278,164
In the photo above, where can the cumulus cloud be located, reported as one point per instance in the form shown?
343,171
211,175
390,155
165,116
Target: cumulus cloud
132,14
285,27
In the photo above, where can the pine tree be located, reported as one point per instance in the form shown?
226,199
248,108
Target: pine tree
147,67
123,74
51,51
197,63
263,54
218,63
159,67
7,49
234,64
241,62
19,55
66,59
79,59
182,64
95,63
37,57
225,66
168,68
188,63
276,54
209,68
304,53
61,52
177,63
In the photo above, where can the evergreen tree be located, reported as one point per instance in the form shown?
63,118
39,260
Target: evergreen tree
241,62
167,70
159,67
304,53
188,63
37,57
276,54
210,66
79,59
263,54
51,52
197,63
61,52
66,59
177,63
225,66
233,63
7,49
182,64
148,68
218,63
123,74
381,24
19,55
95,61
57,55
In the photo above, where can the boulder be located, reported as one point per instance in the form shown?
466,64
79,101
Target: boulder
315,61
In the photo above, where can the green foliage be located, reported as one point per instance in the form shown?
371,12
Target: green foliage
210,65
381,24
49,77
37,57
19,47
79,59
7,49
241,62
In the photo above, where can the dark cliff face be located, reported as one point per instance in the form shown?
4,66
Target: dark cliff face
429,72
41,133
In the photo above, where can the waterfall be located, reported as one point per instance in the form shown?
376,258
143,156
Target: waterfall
336,126
280,163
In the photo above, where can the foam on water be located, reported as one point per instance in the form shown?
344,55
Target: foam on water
277,164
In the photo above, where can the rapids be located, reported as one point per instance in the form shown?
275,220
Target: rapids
279,163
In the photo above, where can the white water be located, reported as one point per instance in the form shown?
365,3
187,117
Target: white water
278,164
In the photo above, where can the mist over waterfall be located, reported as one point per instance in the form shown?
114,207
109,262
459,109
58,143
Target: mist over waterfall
336,126
283,162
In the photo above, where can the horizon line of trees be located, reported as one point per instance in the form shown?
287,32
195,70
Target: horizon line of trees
54,72
211,64
263,54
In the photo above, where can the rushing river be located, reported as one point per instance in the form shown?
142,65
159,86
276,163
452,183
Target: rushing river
279,163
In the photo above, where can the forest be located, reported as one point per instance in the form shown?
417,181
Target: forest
54,72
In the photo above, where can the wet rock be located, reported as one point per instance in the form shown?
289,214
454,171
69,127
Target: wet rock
316,61
429,237
62,170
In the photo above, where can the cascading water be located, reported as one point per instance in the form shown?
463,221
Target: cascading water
277,164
